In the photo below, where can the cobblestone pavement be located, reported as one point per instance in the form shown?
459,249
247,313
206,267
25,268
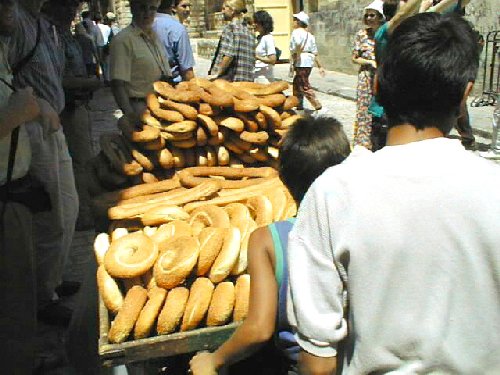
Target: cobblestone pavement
104,115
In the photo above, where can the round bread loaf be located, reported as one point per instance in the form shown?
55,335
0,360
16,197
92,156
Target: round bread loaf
227,257
242,298
109,290
173,310
149,313
127,316
222,304
211,240
200,296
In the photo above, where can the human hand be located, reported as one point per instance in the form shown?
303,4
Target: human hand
49,118
24,103
425,5
203,363
373,63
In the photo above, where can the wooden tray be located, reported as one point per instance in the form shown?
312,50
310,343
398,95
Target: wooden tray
157,346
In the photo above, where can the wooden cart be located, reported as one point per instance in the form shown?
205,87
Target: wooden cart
157,346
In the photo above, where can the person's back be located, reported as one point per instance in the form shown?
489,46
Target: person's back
418,256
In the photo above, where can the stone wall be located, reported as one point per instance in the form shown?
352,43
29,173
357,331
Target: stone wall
337,21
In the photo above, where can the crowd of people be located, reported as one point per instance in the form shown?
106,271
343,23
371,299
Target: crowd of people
381,269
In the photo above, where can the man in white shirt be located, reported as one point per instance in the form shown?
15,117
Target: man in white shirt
406,237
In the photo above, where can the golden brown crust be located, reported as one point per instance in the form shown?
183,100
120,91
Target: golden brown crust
148,178
206,109
249,121
172,136
242,263
227,257
130,256
216,140
166,159
118,233
223,156
185,109
242,298
201,137
279,202
209,124
239,216
139,190
181,127
211,240
232,123
143,160
156,145
221,305
176,262
259,138
181,96
128,314
262,89
165,232
261,210
273,118
163,114
171,314
147,134
179,157
290,102
286,123
109,290
198,303
273,100
163,214
261,120
208,216
245,106
149,313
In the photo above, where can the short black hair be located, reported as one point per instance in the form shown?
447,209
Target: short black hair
264,19
308,149
85,14
165,5
428,63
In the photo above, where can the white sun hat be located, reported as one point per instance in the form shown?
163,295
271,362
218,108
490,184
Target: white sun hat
302,17
377,5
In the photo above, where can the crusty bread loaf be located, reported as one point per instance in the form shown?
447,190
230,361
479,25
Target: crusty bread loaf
109,290
227,257
176,262
101,246
149,313
171,314
242,298
128,314
167,231
242,263
211,240
198,302
222,304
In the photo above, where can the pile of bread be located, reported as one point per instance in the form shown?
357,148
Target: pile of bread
184,264
196,123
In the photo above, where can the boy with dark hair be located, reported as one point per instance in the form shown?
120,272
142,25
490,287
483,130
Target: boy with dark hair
412,255
309,148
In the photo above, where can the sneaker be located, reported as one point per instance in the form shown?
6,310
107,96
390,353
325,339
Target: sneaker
55,314
68,288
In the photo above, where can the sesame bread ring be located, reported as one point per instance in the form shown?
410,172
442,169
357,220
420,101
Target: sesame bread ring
181,127
163,114
227,257
223,156
127,316
208,216
198,302
234,178
217,97
242,298
211,240
273,118
290,102
143,160
156,145
171,314
149,120
184,109
273,100
201,137
261,210
148,178
245,106
289,121
250,123
162,214
173,136
167,231
177,261
181,96
232,123
109,290
262,89
221,305
209,124
206,109
130,256
165,158
149,313
233,90
101,246
235,138
242,263
147,134
259,138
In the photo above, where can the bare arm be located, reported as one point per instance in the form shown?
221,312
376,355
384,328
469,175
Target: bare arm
259,326
119,89
403,13
224,64
311,365
271,59
21,107
446,5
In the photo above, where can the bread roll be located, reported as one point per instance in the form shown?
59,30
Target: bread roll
101,246
197,304
222,304
227,257
171,314
211,240
242,263
109,290
167,231
149,313
118,233
128,314
242,298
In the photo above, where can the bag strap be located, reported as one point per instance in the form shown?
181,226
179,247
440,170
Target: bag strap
26,59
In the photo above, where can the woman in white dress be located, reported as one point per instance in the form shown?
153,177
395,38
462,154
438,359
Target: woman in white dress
265,52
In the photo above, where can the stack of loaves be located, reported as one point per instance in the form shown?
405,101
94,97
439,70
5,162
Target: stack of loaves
198,123
187,265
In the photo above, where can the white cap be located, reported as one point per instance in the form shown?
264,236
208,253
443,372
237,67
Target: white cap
110,16
377,5
302,17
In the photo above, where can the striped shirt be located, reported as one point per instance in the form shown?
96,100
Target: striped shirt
238,42
44,71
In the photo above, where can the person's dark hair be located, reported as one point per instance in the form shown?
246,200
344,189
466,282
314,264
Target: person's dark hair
264,19
308,149
428,63
166,5
301,24
85,14
97,18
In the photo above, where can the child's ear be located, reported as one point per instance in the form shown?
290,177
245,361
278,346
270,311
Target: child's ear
375,84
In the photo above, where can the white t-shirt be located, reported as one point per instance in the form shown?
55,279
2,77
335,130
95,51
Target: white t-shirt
266,47
301,37
105,31
414,233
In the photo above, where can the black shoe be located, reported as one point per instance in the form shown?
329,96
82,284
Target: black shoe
55,314
68,288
